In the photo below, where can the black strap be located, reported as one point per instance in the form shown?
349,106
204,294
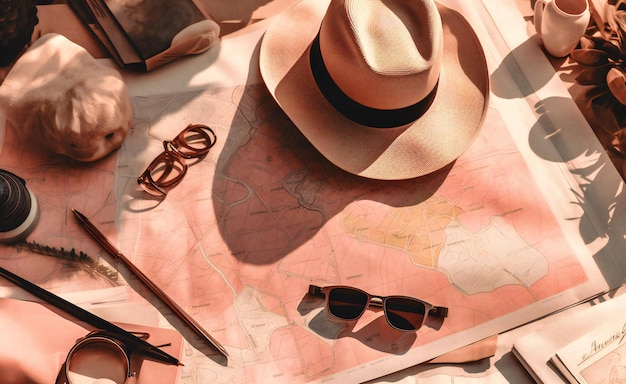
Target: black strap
359,113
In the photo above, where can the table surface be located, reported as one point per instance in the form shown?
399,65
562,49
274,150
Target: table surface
231,20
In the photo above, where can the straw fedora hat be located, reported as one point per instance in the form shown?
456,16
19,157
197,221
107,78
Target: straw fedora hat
384,89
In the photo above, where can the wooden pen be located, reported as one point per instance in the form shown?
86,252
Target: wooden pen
171,304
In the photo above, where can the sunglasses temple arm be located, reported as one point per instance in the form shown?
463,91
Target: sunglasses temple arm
438,311
316,291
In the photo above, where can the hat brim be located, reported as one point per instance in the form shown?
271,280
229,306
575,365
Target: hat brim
434,140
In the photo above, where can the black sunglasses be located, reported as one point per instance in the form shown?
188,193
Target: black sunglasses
402,312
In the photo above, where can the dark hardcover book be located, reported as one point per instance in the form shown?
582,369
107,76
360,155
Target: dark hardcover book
146,34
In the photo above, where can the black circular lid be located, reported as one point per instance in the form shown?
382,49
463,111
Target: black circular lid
15,203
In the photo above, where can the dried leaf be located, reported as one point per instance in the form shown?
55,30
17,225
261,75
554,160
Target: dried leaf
596,94
587,42
611,19
620,19
616,21
593,75
620,28
599,43
618,142
592,57
616,81
611,49
604,116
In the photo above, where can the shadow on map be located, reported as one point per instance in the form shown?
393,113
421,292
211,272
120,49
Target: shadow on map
601,196
188,334
375,334
556,137
273,191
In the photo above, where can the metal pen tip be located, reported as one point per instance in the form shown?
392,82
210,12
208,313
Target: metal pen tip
78,214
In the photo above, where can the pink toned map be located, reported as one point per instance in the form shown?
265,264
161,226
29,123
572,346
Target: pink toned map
59,184
264,215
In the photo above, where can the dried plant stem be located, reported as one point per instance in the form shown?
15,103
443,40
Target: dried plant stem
80,259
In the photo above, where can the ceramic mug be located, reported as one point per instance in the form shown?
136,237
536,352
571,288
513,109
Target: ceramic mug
561,24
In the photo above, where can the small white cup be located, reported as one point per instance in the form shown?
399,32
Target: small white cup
561,24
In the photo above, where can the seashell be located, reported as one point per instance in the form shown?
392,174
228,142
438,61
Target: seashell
616,81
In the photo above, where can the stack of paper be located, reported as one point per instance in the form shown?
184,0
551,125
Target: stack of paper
579,345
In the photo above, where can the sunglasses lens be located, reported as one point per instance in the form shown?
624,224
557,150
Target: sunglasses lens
405,313
346,303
